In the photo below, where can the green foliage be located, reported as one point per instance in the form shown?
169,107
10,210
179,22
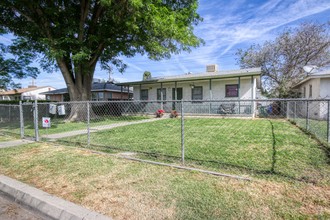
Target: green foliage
146,75
75,35
14,65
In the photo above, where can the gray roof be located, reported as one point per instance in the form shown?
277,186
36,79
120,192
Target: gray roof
199,76
96,87
322,74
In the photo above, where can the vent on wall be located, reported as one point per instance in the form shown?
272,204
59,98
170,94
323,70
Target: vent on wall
212,68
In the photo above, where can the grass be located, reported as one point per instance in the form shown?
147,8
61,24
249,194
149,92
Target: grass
60,125
131,190
6,137
274,148
316,127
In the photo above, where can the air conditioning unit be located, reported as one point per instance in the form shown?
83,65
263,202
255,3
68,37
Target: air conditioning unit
212,68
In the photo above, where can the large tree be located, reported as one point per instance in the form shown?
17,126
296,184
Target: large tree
282,60
75,35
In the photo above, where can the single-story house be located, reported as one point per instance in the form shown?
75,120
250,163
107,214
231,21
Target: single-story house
231,86
315,86
30,93
101,91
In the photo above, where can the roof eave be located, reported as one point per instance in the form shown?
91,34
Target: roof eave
321,76
218,76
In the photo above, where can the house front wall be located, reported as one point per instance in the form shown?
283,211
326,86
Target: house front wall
325,88
320,89
6,97
118,95
315,83
212,90
55,97
35,94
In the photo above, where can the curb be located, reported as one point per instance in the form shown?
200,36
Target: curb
51,206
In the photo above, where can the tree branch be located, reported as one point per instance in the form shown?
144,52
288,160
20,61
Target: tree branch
84,9
97,53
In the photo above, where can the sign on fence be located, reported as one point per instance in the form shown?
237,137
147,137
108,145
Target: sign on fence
46,122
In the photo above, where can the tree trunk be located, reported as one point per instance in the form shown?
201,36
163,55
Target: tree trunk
79,85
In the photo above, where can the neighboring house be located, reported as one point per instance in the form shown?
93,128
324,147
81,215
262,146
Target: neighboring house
230,85
315,86
100,92
30,93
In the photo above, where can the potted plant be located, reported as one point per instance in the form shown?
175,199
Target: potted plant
160,113
174,114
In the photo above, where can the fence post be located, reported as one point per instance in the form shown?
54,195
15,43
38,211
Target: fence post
307,115
295,110
328,122
182,132
36,125
287,109
239,106
21,119
88,124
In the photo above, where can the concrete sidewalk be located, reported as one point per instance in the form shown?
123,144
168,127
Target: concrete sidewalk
14,143
97,128
50,206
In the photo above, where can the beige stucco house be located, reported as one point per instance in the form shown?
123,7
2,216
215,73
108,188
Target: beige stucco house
230,85
315,86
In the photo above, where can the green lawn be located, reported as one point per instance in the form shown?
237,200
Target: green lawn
130,190
6,137
60,125
316,127
274,148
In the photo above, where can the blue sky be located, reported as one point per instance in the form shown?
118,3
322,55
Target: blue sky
228,25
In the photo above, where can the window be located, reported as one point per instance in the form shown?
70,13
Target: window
27,98
304,92
159,95
97,96
144,94
101,95
108,96
310,91
197,93
232,90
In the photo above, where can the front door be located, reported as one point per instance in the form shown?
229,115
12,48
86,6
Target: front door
178,95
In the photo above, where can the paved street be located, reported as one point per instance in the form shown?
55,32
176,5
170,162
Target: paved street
10,210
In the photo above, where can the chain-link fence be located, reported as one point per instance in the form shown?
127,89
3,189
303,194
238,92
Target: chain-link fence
10,119
231,134
312,116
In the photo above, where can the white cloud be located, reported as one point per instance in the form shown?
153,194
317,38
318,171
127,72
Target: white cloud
229,24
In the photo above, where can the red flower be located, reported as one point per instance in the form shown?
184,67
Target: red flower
160,111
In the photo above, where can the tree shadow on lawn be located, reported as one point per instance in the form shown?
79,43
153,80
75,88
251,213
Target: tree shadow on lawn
205,163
